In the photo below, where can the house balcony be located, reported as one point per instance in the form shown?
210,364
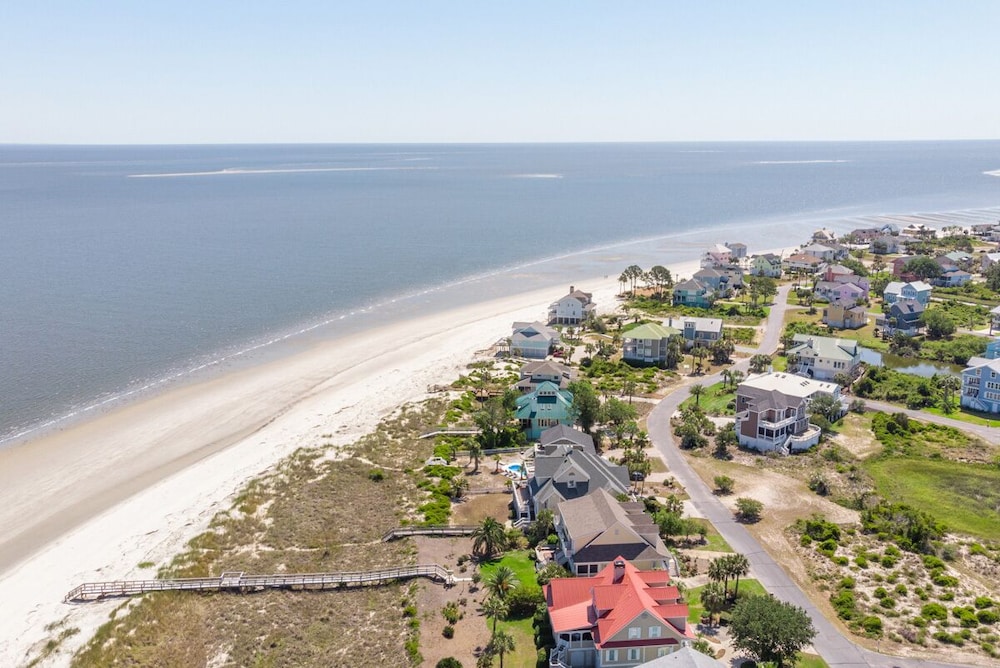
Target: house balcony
565,651
805,440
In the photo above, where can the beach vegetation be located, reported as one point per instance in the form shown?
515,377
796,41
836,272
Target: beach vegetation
770,630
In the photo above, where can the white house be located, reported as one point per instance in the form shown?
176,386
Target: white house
572,309
822,357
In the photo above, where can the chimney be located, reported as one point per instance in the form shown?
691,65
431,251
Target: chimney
572,289
619,571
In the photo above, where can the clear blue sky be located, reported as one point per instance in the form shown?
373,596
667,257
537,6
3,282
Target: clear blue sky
425,70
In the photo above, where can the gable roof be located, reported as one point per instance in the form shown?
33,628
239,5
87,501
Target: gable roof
650,330
566,435
907,307
545,368
600,517
691,285
685,657
825,347
534,330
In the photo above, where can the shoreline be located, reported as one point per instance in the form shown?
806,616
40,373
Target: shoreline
132,485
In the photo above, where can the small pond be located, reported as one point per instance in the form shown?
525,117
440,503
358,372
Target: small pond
916,367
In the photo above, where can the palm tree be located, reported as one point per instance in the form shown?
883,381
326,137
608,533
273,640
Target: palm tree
696,391
949,385
496,608
475,452
713,598
727,377
737,377
488,538
739,566
718,571
501,643
458,486
500,582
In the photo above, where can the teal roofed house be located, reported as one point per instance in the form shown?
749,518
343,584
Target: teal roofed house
547,406
648,343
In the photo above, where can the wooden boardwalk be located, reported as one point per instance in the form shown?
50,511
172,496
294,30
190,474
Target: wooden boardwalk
434,530
242,583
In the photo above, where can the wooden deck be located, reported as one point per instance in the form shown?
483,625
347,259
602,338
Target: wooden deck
435,530
242,583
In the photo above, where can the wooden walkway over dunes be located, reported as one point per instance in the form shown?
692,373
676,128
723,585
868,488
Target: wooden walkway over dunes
242,583
433,530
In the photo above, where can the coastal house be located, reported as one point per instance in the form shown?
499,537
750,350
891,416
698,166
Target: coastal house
916,290
845,315
534,374
697,331
716,279
647,344
960,258
994,319
992,350
823,357
545,406
772,412
716,255
767,264
987,260
693,293
833,291
620,617
838,273
899,267
573,308
952,278
801,263
596,528
918,231
737,250
532,340
824,234
981,385
864,235
986,231
885,244
905,316
566,467
825,253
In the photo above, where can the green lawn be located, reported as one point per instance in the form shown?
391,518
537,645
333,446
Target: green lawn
811,661
525,653
714,542
715,400
965,415
748,587
966,497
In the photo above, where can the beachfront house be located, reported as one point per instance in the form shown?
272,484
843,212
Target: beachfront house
981,385
532,340
534,374
823,252
801,263
716,255
566,467
772,412
697,331
994,319
987,260
545,406
845,315
916,290
693,293
737,250
952,277
824,234
596,528
572,309
620,617
767,264
905,316
823,357
647,344
885,244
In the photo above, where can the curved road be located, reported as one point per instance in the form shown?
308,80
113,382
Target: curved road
836,649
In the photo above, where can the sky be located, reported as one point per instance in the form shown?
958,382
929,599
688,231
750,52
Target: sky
181,72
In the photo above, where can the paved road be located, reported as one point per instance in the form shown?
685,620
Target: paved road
836,649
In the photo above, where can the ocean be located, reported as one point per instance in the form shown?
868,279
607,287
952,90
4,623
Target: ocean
125,269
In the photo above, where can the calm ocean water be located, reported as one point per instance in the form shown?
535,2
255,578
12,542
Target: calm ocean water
121,267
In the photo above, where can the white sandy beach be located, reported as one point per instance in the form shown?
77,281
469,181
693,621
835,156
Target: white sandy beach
91,502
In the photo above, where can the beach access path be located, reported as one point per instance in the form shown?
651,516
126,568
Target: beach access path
835,648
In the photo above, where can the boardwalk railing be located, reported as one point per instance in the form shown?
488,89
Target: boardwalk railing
240,582
434,530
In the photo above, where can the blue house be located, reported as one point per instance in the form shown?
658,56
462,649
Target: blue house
981,385
917,290
547,406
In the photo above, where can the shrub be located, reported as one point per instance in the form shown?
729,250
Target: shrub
748,510
919,622
888,561
819,529
872,626
880,592
901,589
934,611
376,475
451,613
524,600
724,484
983,602
841,561
845,604
861,561
948,638
449,631
448,662
942,580
847,583
987,616
888,602
410,611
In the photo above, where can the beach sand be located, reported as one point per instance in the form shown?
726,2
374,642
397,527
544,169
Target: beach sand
92,501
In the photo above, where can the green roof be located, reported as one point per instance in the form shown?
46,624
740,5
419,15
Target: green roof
651,331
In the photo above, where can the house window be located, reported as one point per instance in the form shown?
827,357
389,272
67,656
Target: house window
654,631
571,484
634,633
611,655
634,654
662,651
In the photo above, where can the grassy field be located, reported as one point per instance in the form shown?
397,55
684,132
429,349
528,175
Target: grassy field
748,587
521,630
714,542
966,497
715,400
965,415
